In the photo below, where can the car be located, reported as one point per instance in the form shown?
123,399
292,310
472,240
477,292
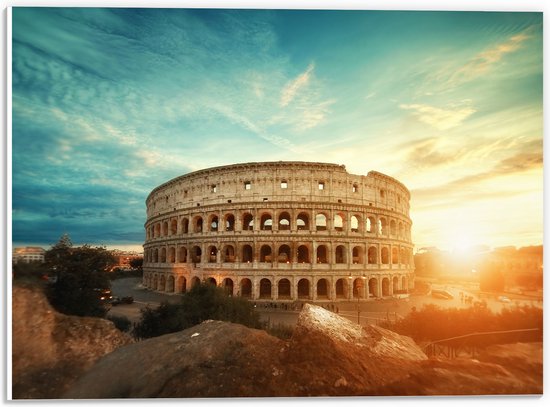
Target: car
442,294
116,301
127,300
504,299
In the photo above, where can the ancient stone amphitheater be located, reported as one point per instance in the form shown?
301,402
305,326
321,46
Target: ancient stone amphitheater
280,231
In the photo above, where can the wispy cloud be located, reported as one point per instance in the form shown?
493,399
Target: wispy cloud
441,119
484,61
291,88
530,158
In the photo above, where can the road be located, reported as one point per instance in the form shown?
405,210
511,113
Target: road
369,312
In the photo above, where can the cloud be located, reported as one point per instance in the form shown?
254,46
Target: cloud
483,62
289,91
529,159
441,119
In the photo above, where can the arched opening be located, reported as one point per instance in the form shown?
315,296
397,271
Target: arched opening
266,223
248,221
338,223
303,254
195,281
162,283
197,225
247,254
265,288
157,230
320,222
173,227
155,282
370,224
385,255
357,254
156,256
163,255
401,230
393,228
403,256
358,288
165,229
340,254
385,287
284,289
170,285
229,254
394,255
395,284
373,255
341,288
382,226
373,287
214,223
196,254
229,223
185,226
284,254
322,289
404,285
246,288
265,254
354,224
322,254
211,281
302,221
212,254
303,289
182,285
284,221
183,254
172,254
227,285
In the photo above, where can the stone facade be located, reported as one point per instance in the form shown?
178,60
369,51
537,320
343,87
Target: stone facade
281,231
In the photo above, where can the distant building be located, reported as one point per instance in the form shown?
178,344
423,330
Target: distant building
123,259
28,254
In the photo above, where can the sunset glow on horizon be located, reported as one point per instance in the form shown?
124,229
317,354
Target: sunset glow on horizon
109,103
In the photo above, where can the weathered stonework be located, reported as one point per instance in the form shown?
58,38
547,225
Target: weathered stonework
281,231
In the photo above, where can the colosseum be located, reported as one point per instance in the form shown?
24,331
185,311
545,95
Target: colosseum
281,231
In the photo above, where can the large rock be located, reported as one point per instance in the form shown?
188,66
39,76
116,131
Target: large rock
501,369
51,350
327,355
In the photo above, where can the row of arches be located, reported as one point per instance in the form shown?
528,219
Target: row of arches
304,288
290,253
282,221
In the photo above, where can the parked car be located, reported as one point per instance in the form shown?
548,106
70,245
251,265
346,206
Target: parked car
127,300
115,301
504,299
442,294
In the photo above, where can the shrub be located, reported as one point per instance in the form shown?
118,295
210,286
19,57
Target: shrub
202,302
121,323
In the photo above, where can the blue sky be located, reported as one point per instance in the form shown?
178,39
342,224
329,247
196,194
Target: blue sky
109,103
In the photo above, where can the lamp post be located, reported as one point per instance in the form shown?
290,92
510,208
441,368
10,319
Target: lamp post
358,297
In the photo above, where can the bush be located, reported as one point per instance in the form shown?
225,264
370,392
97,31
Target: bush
432,323
121,323
202,302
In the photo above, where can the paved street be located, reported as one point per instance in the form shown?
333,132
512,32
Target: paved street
370,312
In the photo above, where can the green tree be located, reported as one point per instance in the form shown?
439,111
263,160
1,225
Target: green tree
202,302
81,278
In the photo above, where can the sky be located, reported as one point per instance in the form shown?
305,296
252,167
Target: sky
107,104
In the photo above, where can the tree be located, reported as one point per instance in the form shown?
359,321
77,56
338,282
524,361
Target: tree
81,278
202,302
137,263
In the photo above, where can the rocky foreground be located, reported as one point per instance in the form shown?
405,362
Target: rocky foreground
326,356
